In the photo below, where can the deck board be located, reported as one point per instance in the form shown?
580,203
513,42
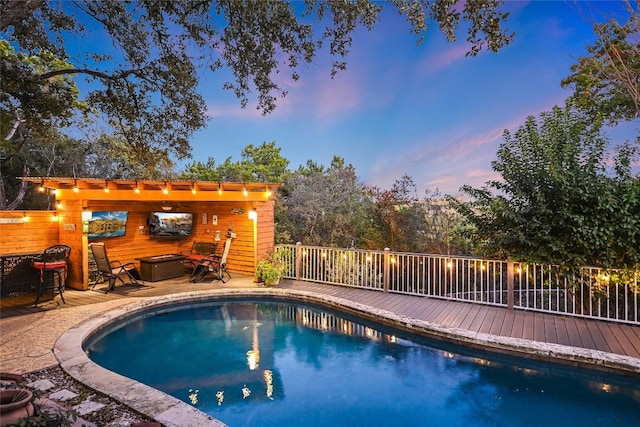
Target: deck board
585,335
472,312
461,314
517,329
562,335
498,322
634,339
574,334
478,320
615,343
527,327
550,332
507,324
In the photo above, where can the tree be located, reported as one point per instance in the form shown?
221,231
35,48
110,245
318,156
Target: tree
326,207
556,202
110,157
444,227
30,112
606,82
263,163
401,216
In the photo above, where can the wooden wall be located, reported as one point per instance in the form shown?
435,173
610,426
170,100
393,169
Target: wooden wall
37,232
41,231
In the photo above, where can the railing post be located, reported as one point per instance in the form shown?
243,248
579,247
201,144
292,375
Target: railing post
387,270
510,285
298,260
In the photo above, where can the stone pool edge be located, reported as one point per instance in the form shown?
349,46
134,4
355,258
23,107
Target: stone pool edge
172,412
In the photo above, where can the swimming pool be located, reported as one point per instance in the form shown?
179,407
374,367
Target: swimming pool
264,363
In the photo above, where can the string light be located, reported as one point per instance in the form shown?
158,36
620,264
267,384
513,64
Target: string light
220,189
106,186
75,186
244,191
193,188
165,190
137,189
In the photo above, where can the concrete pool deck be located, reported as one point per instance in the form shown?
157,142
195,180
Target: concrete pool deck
47,338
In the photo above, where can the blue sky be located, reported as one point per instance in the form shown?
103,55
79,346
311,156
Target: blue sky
427,111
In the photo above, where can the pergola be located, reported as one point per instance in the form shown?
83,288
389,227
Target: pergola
245,208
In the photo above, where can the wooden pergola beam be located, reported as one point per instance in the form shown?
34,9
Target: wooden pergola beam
153,190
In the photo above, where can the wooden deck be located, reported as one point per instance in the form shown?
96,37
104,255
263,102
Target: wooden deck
599,335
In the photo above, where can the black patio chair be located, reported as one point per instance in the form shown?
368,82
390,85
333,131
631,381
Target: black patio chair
213,264
112,270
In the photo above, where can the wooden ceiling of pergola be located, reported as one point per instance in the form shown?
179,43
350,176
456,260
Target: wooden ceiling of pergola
128,189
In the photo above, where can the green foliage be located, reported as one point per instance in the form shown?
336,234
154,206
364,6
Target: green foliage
555,202
48,417
606,80
263,163
271,270
110,156
326,207
402,216
444,228
33,92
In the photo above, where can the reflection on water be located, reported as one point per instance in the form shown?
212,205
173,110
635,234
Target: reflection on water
276,364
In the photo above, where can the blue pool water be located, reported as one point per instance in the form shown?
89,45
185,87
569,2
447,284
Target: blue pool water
269,363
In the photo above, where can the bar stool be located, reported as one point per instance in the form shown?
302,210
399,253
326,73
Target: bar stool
54,260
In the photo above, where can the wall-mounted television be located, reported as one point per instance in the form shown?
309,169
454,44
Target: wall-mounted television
170,224
104,224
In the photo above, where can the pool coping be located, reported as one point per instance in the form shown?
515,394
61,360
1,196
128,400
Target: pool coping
172,412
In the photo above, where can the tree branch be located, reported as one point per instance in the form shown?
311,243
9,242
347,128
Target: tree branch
94,73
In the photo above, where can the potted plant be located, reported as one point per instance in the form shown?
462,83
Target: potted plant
15,404
271,269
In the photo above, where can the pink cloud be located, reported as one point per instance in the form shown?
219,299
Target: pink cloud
444,58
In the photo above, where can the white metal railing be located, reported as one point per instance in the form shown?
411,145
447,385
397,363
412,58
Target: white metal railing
587,292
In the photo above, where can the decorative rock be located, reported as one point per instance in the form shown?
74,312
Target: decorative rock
87,407
42,385
62,395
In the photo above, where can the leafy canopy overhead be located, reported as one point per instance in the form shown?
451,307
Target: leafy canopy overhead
144,81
